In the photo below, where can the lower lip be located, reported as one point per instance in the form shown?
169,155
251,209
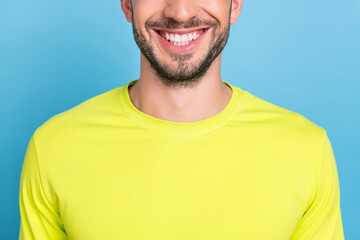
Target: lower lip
184,48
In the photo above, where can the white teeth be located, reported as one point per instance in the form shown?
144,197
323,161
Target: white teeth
180,40
184,38
177,38
195,36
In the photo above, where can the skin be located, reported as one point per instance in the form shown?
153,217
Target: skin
181,98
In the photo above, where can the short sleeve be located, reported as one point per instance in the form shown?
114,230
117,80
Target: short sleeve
322,218
39,219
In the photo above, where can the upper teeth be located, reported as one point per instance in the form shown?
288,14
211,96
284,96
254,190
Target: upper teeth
183,38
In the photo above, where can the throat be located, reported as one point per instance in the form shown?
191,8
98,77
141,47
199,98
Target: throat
181,105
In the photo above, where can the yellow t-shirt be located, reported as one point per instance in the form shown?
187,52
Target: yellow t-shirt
105,170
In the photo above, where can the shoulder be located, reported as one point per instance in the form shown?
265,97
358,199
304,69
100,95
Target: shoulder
72,121
277,120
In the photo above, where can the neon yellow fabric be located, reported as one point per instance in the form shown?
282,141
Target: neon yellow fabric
105,170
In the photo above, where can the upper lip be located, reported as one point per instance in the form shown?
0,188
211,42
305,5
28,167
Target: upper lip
181,30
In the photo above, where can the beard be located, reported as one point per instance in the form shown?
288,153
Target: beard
185,73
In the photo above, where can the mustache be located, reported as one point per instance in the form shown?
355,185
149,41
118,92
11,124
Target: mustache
170,23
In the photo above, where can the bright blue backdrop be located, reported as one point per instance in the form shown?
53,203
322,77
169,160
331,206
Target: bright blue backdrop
301,55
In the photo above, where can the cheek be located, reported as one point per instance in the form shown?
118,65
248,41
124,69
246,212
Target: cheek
146,9
218,9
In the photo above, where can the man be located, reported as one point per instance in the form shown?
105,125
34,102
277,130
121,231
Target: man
179,153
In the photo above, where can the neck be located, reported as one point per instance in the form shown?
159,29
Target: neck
208,97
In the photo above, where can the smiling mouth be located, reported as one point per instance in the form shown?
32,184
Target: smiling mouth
181,39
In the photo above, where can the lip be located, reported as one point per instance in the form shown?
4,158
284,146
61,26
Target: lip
178,49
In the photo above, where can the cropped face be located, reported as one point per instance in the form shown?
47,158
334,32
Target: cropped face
181,38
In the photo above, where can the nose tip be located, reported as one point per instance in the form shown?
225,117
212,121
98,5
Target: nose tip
181,10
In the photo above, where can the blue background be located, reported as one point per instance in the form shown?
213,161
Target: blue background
301,55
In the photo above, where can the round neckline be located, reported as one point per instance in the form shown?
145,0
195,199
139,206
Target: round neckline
183,128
